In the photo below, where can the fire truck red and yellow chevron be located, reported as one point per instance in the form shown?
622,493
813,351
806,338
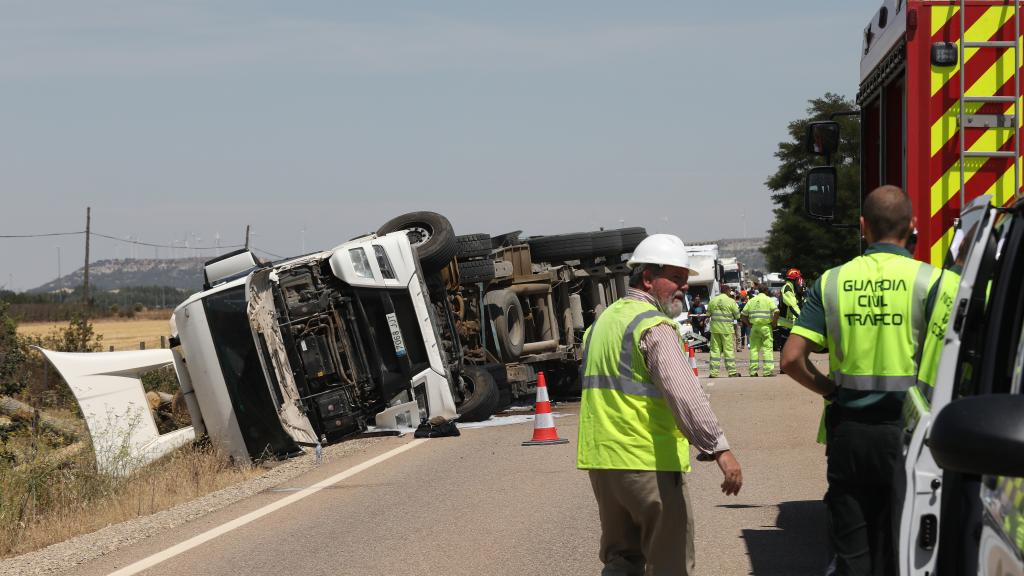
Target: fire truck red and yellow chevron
987,72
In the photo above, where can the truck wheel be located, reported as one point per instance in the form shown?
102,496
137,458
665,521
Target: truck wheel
473,271
506,315
500,375
561,247
607,242
430,233
481,395
631,237
472,245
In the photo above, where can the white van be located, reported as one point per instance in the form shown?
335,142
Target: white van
963,511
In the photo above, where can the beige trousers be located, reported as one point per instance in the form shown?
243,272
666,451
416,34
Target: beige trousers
646,523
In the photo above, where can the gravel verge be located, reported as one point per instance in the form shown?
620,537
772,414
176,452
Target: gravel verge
64,556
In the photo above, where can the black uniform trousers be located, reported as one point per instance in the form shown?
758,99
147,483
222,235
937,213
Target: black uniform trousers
864,454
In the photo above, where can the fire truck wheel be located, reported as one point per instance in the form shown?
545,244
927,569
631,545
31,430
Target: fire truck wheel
473,245
480,395
506,314
430,233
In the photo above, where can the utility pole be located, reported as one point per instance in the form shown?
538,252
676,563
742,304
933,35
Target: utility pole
60,280
85,282
246,236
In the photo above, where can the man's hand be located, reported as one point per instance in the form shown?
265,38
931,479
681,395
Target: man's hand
731,471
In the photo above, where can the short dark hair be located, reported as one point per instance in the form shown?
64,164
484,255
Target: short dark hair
636,277
887,212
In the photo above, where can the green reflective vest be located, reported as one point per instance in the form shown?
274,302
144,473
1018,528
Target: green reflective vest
936,332
760,310
625,423
875,316
723,311
788,297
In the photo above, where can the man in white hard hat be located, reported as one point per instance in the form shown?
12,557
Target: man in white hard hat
642,407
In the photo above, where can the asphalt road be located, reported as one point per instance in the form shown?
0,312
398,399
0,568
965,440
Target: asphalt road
484,504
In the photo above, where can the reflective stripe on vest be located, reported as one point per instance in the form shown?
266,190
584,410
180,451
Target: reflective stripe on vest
625,422
842,367
622,383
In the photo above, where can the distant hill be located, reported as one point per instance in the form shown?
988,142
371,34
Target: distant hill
182,273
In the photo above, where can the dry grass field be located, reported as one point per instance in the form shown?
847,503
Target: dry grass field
121,333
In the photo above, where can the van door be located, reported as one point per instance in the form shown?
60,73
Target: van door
919,520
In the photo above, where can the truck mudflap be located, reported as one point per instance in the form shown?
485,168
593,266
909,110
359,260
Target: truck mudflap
108,389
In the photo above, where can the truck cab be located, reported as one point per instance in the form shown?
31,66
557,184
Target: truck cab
279,356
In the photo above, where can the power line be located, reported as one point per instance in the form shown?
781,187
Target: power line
42,235
141,243
271,254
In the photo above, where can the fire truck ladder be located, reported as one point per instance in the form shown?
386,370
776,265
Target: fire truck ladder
985,121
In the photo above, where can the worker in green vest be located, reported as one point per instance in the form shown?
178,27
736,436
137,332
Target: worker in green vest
642,408
724,313
870,314
789,301
761,314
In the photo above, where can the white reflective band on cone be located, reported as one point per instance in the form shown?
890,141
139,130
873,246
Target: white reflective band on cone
544,421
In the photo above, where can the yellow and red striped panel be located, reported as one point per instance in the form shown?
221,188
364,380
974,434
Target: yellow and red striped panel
987,72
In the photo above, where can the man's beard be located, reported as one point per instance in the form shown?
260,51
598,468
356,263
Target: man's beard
673,305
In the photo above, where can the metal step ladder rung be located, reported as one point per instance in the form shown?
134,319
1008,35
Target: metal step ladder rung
991,44
1004,121
989,99
989,154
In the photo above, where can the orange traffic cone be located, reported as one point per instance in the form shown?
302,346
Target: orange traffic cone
543,422
693,362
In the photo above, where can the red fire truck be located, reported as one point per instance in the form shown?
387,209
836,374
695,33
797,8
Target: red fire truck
923,62
939,103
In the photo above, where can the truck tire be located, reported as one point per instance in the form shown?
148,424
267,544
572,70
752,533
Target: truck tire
500,375
561,247
472,246
481,397
430,233
607,242
473,271
506,314
631,237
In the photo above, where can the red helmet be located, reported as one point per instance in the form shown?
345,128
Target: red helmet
793,273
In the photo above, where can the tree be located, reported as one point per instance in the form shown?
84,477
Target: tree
796,240
12,354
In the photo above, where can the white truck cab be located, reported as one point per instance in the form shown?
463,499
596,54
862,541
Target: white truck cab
963,510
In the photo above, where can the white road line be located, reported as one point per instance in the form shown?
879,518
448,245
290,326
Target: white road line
212,533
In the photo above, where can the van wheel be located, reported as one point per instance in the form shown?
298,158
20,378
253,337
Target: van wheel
481,396
430,233
506,315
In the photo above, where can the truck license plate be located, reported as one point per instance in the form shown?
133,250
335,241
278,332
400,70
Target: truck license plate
396,335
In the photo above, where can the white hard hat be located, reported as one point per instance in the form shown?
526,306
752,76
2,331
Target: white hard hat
662,249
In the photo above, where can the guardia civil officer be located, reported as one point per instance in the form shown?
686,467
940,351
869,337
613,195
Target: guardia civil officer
870,314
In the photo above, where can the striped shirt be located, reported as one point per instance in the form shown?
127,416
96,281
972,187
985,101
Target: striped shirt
672,373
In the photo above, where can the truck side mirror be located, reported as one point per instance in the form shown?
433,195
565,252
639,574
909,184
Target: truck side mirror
980,435
823,138
820,193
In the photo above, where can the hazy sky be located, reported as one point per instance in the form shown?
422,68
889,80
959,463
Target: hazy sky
183,121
